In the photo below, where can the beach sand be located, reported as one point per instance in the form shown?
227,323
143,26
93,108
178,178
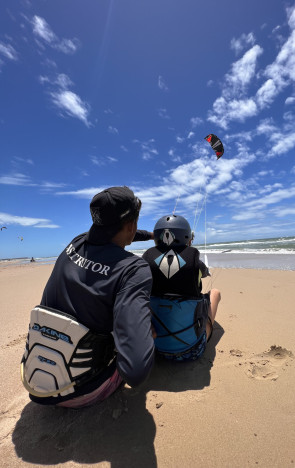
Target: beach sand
234,408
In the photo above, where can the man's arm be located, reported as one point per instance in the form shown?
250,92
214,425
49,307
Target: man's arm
132,325
143,236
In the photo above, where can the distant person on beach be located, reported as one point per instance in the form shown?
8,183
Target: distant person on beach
183,317
32,260
92,330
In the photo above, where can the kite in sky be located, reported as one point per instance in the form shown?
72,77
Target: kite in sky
216,144
3,227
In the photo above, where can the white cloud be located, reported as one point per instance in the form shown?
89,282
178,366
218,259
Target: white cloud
7,51
9,219
72,105
245,40
195,121
291,17
274,197
180,139
42,30
290,100
148,149
234,104
266,93
50,185
226,110
65,99
161,84
242,72
113,130
163,114
87,193
16,179
282,212
102,161
282,143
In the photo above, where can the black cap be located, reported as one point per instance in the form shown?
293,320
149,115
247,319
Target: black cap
108,209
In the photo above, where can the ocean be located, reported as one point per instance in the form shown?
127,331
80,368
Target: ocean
277,253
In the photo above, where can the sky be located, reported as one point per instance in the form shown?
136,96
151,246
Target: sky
96,94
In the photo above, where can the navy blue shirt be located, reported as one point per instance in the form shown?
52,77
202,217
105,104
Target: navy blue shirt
107,289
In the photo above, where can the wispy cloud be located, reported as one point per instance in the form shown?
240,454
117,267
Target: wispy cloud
26,181
113,130
161,84
16,179
68,102
234,104
148,149
71,104
290,101
87,193
7,51
242,42
102,161
195,121
163,113
9,219
42,30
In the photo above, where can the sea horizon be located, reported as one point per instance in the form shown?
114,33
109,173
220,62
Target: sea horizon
275,253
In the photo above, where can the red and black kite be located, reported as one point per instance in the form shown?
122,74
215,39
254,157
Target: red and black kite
216,144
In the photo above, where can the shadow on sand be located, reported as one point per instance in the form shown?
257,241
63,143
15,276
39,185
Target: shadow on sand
120,430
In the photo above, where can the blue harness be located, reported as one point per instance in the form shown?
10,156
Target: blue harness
180,324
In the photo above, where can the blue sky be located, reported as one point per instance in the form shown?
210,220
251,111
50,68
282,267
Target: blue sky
118,92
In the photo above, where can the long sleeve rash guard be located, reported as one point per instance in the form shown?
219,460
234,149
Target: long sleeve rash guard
107,289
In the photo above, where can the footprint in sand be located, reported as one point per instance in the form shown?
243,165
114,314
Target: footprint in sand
265,366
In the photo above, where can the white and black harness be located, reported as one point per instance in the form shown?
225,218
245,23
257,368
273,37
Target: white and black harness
62,354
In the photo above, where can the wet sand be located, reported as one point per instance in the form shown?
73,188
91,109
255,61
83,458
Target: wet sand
234,407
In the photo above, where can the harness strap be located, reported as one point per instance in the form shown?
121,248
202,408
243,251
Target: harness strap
170,333
41,394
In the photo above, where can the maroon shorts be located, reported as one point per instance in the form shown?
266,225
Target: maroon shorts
98,395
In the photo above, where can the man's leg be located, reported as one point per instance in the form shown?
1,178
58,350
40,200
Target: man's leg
215,298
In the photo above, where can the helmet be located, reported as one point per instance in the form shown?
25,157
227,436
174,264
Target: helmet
172,229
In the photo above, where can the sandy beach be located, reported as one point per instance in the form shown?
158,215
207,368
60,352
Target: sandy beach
234,408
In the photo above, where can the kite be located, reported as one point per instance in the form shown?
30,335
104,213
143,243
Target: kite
21,238
3,227
216,144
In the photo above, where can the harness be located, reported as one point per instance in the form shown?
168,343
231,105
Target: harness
61,353
180,323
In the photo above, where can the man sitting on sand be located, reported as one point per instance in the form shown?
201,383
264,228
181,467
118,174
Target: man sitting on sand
183,317
97,302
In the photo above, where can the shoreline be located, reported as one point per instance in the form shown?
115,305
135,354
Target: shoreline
225,260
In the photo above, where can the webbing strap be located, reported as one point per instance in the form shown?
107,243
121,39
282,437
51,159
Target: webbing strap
41,394
170,333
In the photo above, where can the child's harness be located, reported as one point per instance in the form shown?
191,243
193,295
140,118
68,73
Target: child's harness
180,323
61,353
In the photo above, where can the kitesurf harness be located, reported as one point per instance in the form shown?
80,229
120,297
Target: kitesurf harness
61,353
180,323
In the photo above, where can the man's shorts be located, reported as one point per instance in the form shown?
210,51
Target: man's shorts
98,395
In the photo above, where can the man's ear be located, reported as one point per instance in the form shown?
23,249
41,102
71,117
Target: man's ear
130,226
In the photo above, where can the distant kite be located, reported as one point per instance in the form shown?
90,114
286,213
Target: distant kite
20,237
216,144
3,227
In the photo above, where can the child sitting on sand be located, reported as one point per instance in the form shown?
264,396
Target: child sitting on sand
183,317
